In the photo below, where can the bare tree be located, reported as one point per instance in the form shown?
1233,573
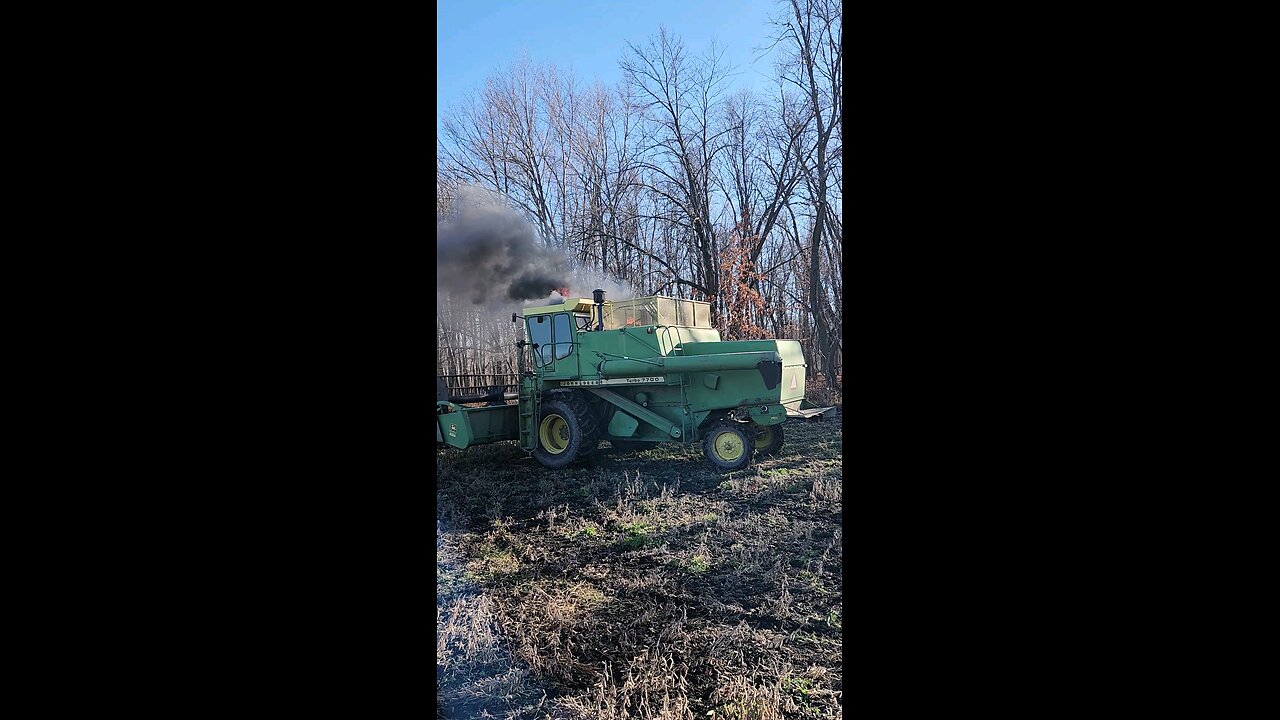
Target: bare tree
677,96
810,32
762,168
503,140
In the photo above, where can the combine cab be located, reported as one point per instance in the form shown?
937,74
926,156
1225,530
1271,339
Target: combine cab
637,373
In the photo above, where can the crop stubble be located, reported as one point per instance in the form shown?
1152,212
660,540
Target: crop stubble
642,585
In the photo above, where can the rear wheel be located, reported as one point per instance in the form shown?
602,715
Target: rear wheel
561,435
768,439
728,447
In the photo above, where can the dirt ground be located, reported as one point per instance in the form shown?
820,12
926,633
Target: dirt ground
641,585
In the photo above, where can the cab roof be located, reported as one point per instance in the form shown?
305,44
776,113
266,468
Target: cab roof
582,305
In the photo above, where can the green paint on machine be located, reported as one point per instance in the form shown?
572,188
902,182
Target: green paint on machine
616,381
622,425
669,378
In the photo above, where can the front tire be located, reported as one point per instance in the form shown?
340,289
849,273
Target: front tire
561,435
729,447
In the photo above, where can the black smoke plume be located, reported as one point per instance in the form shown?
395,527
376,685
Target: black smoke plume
487,253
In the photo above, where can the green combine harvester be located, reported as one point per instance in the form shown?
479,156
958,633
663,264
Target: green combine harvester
636,373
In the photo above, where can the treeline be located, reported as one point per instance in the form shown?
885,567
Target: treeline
673,182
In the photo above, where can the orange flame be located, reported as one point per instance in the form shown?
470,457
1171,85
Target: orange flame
564,292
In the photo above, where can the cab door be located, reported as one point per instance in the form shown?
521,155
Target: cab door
563,355
555,355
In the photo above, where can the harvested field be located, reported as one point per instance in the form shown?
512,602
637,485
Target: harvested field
641,585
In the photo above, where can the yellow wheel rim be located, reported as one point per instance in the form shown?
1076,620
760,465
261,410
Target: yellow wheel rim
728,446
554,433
763,438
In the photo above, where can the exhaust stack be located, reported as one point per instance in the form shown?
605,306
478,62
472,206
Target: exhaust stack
598,297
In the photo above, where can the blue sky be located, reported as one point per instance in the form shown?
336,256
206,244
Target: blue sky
475,37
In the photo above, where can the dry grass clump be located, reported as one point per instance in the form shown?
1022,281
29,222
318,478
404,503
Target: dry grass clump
827,489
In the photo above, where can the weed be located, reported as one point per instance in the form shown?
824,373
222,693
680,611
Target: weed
637,529
588,530
833,619
799,685
637,535
501,563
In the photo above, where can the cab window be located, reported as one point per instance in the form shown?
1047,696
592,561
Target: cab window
563,336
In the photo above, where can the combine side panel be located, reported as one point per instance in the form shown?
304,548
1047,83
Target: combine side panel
752,385
640,412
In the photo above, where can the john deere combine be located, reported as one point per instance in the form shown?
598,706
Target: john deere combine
636,373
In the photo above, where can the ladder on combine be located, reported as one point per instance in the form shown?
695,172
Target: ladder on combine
528,400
